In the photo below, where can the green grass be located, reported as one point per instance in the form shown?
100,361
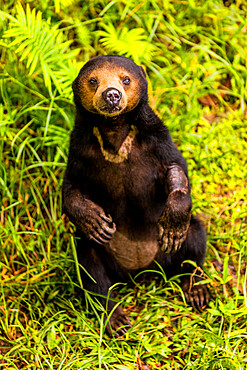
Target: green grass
195,57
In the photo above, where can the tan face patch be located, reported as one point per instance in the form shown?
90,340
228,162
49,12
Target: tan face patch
93,84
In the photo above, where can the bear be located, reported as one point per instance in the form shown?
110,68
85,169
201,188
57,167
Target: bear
126,189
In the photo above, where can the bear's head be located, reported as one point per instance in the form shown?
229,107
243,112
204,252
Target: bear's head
110,85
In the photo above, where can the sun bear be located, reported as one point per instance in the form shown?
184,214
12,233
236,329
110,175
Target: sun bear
126,188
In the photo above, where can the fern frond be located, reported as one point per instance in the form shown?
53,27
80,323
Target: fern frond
131,43
38,44
84,35
66,75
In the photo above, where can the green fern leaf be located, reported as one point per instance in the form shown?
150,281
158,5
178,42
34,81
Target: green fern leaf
38,44
132,43
84,35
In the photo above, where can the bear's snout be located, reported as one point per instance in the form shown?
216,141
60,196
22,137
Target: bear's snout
112,96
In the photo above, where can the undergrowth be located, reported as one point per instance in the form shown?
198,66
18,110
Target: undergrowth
194,54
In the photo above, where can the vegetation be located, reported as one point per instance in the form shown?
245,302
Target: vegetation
194,53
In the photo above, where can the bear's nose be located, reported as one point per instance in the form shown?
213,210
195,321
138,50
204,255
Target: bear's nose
112,96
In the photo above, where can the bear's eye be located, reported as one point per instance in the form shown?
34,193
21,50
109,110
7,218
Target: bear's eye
126,80
93,81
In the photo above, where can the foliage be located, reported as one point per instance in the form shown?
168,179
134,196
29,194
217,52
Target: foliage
195,57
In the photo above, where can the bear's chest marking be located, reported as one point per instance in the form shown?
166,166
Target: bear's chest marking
124,149
133,254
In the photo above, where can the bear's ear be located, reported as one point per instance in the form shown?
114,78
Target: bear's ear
142,72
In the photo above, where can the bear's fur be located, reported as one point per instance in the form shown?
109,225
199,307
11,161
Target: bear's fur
126,187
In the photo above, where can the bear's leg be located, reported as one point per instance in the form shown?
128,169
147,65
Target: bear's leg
99,283
194,249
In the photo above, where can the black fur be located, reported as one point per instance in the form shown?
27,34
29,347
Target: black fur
133,193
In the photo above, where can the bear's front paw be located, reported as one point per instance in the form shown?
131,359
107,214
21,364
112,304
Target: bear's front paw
174,223
172,230
171,239
97,226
